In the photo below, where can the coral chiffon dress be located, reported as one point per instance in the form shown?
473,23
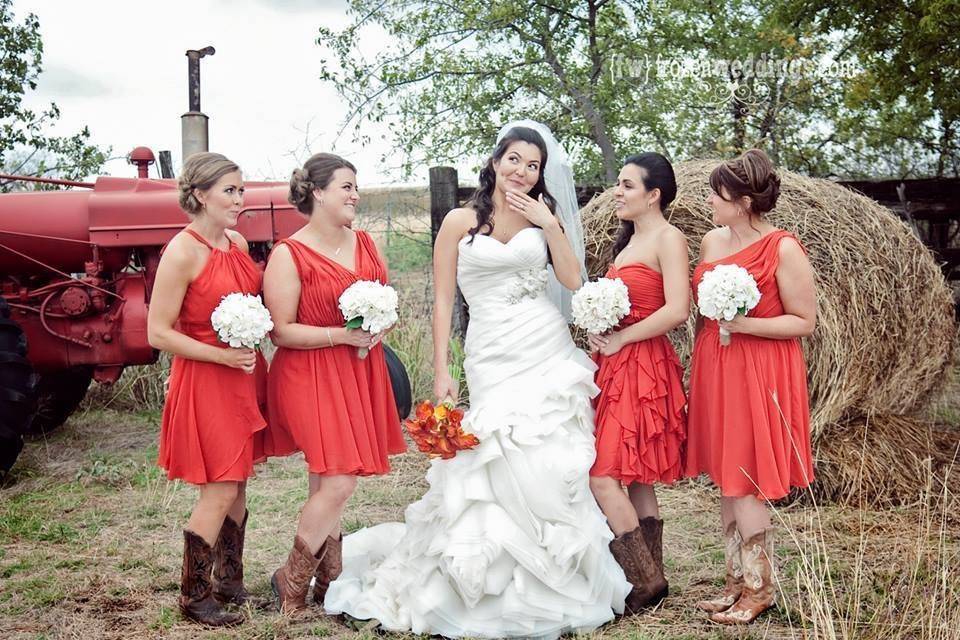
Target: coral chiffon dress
213,428
749,416
329,403
640,418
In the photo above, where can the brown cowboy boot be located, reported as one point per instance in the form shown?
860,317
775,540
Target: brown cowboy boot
196,599
228,563
292,581
734,578
649,587
331,564
756,555
652,530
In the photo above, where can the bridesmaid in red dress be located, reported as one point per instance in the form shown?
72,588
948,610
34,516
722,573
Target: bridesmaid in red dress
749,419
640,420
212,424
334,406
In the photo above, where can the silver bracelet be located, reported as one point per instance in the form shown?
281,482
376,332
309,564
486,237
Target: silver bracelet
329,338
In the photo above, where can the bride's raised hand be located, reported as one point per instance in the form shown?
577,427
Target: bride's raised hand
445,388
536,211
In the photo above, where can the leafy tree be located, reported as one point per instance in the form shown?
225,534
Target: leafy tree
902,112
25,147
687,78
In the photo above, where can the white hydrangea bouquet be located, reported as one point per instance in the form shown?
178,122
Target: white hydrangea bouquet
370,306
725,291
241,320
598,306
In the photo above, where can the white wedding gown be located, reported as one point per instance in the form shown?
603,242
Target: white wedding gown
508,540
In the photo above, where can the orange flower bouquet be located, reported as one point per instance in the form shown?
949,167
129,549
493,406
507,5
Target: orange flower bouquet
437,431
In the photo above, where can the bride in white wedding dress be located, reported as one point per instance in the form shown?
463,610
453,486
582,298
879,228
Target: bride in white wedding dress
507,541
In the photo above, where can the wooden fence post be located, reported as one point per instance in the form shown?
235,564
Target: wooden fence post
443,198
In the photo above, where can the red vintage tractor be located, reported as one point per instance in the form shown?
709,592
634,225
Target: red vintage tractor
76,272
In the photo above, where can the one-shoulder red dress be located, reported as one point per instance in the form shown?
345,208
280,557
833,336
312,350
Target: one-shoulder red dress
213,420
334,406
640,420
749,416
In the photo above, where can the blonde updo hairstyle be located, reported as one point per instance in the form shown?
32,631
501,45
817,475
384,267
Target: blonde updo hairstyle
200,172
751,175
317,173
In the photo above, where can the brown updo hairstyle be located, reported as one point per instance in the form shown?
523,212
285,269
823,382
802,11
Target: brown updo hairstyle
751,175
317,172
201,171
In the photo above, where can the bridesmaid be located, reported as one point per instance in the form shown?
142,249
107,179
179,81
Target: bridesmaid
749,420
336,407
212,425
640,421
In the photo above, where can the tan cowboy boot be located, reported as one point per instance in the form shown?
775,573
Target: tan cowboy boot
196,598
652,530
759,591
734,579
292,581
331,564
632,554
228,563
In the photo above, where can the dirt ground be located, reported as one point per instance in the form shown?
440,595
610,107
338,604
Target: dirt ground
91,548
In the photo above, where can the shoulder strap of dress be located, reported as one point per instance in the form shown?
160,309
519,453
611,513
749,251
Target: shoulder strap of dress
201,239
296,252
780,235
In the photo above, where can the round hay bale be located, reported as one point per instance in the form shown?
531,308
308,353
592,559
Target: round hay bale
886,460
885,321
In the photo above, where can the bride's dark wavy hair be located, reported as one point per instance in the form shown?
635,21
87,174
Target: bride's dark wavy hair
482,199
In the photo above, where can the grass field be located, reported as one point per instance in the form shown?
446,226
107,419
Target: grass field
90,537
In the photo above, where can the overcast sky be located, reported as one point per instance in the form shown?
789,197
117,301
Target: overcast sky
119,68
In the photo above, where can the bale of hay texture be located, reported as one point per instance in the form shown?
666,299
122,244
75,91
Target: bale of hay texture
886,460
885,321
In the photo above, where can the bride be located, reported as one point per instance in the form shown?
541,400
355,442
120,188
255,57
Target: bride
508,540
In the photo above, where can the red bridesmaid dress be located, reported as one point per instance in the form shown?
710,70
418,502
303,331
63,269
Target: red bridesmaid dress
334,406
749,417
213,427
641,426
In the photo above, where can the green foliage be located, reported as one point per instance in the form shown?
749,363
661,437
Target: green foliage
409,251
612,77
902,111
25,147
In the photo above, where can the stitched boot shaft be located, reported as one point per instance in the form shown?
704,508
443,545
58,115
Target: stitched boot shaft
734,574
758,595
640,569
228,562
331,564
196,599
292,581
652,530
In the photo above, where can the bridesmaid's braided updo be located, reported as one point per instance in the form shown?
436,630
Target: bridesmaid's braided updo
200,172
317,172
752,176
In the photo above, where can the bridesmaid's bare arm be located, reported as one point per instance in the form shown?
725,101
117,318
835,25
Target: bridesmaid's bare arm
179,266
797,293
281,295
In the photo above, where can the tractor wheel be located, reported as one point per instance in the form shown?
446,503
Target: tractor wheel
58,395
400,383
17,383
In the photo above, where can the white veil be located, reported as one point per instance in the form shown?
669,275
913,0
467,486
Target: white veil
558,176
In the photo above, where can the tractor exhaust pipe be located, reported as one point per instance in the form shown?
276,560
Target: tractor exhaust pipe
194,124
